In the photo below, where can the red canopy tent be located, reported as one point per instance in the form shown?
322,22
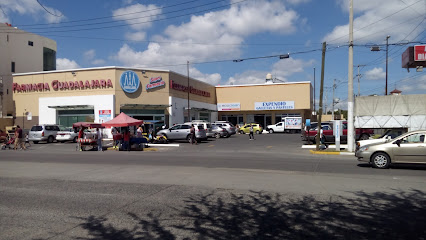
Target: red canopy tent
122,120
87,125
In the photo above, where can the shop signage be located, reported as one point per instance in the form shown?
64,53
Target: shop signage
155,82
129,82
280,105
57,85
228,107
192,90
104,116
420,53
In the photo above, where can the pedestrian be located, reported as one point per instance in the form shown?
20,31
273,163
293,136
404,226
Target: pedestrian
99,138
322,138
139,132
80,137
126,139
19,138
193,139
251,136
27,140
114,137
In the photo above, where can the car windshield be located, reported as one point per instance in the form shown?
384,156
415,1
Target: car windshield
36,128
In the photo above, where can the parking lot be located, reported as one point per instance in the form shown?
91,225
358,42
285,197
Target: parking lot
263,143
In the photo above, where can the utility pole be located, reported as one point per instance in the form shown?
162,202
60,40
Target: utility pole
387,46
314,93
332,110
317,138
189,110
350,80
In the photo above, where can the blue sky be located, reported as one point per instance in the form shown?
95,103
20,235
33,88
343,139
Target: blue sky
210,34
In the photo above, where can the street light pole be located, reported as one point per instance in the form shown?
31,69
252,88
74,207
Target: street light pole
189,110
387,46
350,135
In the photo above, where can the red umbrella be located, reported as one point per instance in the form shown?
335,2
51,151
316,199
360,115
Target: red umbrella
122,120
87,125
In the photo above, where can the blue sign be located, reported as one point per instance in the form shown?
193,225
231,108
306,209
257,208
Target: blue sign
129,82
308,122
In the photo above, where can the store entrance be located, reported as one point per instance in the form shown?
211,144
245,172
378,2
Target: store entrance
263,120
66,118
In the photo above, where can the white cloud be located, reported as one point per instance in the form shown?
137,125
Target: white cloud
375,74
136,36
376,19
29,7
296,2
138,16
221,32
64,63
415,86
213,79
90,54
282,70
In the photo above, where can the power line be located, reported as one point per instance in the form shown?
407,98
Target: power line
129,24
48,10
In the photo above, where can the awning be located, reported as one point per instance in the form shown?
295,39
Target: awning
73,107
200,109
144,106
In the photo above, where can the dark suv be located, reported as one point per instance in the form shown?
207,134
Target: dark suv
43,132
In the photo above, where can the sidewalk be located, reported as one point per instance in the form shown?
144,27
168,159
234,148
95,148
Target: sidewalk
331,150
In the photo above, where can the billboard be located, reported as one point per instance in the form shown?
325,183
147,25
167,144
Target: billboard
420,53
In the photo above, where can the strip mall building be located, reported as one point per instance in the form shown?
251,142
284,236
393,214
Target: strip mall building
99,94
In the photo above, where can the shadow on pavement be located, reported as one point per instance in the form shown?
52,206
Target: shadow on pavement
258,215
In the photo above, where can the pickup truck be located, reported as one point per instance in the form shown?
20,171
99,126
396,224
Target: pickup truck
361,133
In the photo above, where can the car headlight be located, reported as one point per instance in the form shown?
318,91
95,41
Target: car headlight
364,148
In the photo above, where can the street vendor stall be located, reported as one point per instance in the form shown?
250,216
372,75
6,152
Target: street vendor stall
87,140
125,121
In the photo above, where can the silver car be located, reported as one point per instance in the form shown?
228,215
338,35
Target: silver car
407,148
219,132
43,132
227,125
183,132
66,134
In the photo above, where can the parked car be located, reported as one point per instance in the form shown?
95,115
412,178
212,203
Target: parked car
257,128
230,128
360,133
206,125
183,131
43,132
66,134
220,132
389,134
407,148
3,136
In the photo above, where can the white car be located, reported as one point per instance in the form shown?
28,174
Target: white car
389,134
66,134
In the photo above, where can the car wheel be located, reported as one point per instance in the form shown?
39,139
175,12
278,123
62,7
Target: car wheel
62,141
241,132
217,135
364,137
257,132
50,139
380,160
189,138
271,131
35,142
75,140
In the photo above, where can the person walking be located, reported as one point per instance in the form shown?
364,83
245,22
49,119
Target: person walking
27,141
19,138
99,138
193,139
251,136
126,139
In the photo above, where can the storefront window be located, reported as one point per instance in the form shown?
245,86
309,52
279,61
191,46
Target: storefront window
205,116
67,117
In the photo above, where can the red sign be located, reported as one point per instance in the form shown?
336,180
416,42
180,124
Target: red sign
420,53
57,85
192,90
104,112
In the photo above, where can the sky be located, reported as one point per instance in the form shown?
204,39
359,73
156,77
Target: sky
236,41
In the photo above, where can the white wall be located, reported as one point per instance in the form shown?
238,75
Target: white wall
99,102
178,106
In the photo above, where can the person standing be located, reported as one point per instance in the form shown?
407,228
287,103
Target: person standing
251,136
139,132
80,137
114,137
99,139
126,139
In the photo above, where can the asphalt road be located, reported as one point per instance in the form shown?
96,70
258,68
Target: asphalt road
230,188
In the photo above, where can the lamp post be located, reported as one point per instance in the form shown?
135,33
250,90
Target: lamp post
189,110
23,119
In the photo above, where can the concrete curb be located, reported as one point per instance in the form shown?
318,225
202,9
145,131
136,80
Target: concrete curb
331,153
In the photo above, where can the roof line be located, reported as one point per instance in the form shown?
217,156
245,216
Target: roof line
87,69
262,84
